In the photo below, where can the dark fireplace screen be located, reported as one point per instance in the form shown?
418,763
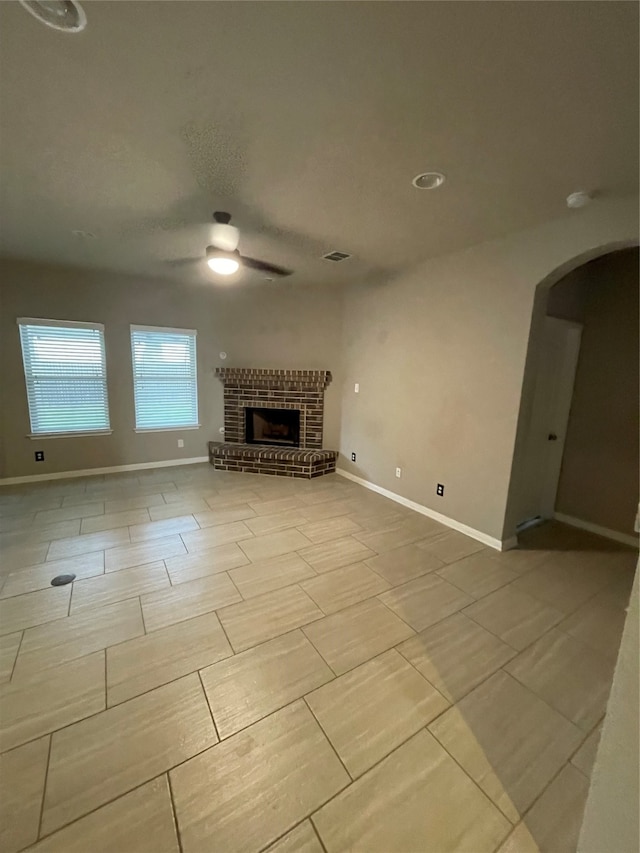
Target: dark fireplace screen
272,426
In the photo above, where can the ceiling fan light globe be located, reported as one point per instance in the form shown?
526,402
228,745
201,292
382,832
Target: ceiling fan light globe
223,266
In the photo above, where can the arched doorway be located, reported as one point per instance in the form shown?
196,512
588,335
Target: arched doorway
597,471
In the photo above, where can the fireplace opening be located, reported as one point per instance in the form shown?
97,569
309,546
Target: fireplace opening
272,426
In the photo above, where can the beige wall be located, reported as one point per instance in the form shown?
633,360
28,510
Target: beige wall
610,822
439,354
276,325
599,481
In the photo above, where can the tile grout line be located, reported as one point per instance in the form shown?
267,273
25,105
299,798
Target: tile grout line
106,685
298,554
164,563
144,627
284,835
549,783
102,805
13,668
326,736
227,572
497,636
317,834
555,627
586,738
389,754
206,699
174,811
393,613
450,702
511,829
44,787
540,699
468,775
224,631
70,597
545,789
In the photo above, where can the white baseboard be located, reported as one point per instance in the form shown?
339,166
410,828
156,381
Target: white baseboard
497,544
112,469
624,538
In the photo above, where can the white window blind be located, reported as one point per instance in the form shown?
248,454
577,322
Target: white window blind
164,377
66,376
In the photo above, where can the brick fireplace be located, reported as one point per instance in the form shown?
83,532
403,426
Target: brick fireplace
286,409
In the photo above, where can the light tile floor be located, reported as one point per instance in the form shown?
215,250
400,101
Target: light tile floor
246,664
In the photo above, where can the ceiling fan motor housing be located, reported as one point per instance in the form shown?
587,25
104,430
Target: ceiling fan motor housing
224,235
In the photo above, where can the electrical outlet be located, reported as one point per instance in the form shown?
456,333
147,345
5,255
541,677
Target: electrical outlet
353,457
439,489
356,388
39,455
398,472
180,442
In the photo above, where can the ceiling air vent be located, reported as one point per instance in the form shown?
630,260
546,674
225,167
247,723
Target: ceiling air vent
336,256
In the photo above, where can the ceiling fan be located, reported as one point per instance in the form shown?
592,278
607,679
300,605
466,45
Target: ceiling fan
223,256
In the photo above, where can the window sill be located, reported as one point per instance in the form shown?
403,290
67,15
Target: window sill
167,429
35,436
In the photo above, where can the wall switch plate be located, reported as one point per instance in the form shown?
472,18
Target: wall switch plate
398,472
353,457
356,388
39,455
439,489
180,442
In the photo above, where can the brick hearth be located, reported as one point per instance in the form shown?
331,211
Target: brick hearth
277,461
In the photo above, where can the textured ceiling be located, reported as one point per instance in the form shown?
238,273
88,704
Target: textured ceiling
307,121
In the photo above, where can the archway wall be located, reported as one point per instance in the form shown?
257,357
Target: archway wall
603,241
600,478
439,354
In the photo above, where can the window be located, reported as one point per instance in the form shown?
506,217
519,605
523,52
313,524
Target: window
164,377
66,376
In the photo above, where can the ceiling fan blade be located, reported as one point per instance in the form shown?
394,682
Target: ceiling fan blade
263,266
183,262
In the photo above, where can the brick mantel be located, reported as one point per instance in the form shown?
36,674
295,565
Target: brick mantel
282,380
274,389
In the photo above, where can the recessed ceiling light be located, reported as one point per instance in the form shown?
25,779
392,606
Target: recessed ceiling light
64,15
428,180
579,199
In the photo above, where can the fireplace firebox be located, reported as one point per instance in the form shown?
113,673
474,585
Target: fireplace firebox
279,427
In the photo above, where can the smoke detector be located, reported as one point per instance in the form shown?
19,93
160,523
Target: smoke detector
579,199
336,256
65,15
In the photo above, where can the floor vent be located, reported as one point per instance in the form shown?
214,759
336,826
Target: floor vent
529,522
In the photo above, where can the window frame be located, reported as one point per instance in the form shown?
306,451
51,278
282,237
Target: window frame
134,327
65,324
